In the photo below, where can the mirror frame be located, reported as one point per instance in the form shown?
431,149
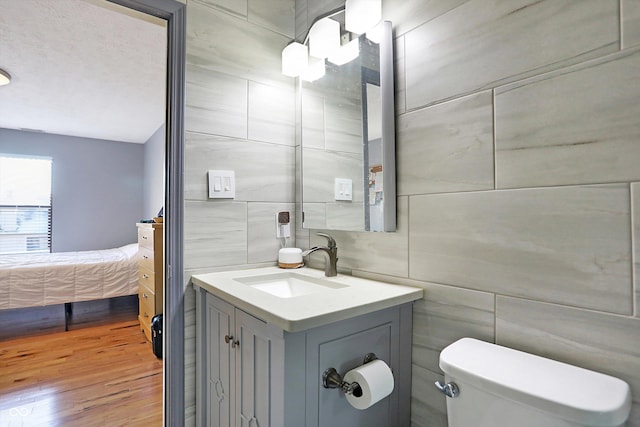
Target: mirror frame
387,98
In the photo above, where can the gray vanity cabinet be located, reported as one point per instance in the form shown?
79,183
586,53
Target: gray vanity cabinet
264,376
242,359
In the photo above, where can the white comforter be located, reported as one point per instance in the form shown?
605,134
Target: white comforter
28,280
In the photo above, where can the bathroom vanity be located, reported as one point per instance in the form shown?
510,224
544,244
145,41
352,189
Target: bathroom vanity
266,336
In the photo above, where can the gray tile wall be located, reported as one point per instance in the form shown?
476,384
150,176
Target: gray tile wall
518,206
240,115
518,144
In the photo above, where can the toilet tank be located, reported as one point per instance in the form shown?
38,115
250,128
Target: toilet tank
500,386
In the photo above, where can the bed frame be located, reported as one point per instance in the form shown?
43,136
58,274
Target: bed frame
40,279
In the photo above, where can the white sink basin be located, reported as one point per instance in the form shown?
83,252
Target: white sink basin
301,299
289,284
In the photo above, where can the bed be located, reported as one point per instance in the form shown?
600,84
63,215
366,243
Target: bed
39,279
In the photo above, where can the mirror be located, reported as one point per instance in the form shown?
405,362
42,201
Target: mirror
348,141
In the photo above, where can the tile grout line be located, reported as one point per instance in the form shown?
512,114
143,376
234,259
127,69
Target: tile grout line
408,236
493,132
634,290
620,24
495,318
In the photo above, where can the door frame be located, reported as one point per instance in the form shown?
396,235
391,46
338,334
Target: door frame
174,13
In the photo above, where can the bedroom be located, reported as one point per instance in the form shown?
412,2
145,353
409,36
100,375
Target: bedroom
107,162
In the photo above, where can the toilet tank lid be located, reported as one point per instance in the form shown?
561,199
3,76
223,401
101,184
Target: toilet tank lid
575,394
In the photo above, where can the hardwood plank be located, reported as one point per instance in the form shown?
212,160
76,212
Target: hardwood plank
95,375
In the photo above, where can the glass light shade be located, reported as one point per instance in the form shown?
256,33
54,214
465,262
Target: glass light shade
346,53
5,78
361,15
324,38
375,34
295,58
314,71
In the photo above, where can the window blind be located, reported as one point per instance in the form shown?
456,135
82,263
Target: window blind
25,204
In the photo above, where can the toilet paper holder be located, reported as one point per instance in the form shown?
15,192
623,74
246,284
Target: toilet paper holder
332,379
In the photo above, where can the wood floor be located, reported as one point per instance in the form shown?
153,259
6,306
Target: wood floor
102,372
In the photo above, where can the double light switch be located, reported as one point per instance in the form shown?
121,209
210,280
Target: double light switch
222,184
343,189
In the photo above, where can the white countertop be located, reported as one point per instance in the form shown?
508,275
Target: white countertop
360,296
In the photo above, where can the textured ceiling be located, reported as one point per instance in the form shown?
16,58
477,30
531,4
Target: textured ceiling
82,68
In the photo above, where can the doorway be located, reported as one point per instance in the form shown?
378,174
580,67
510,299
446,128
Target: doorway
175,15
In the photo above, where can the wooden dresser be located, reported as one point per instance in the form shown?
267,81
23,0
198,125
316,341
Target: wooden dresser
150,273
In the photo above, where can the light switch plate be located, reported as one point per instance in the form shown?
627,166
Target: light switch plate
222,184
343,189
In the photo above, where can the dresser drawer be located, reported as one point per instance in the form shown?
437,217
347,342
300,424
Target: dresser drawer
145,237
148,290
150,274
147,302
146,278
145,259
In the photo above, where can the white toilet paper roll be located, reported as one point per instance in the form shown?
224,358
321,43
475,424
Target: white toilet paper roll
375,380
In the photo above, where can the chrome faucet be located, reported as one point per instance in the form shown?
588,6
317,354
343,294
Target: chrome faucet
331,264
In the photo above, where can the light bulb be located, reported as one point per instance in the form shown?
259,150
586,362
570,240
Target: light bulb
5,78
324,38
295,59
361,15
346,53
314,71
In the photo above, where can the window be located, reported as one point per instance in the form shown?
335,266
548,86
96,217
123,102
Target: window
25,204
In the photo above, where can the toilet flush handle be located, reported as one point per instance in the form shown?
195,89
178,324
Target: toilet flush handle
449,389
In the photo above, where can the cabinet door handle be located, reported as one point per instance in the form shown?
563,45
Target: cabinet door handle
145,296
144,237
229,339
144,276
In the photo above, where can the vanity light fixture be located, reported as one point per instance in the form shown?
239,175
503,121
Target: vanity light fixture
295,58
375,34
314,71
346,53
5,78
361,15
324,36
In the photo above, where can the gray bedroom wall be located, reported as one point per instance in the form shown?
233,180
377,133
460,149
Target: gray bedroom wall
97,187
154,154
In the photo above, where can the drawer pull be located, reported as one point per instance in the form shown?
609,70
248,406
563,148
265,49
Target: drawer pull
145,276
145,257
144,237
144,295
146,315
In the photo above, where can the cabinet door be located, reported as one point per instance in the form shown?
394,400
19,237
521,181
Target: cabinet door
220,363
259,373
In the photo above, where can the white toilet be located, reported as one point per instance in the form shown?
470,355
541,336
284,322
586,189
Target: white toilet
498,386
